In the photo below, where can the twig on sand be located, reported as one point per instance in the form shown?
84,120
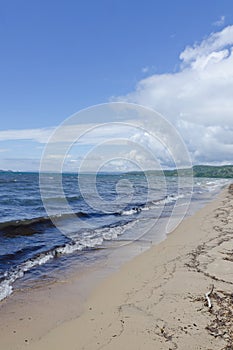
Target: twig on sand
207,295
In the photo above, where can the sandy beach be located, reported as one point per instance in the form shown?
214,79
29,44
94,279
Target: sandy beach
155,301
116,175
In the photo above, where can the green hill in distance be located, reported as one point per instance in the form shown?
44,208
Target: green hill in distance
225,171
222,172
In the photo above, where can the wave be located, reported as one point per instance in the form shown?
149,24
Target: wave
26,227
10,277
173,198
211,185
169,199
78,241
134,210
18,255
90,240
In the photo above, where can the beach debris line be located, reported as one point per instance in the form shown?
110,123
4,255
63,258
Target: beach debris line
207,295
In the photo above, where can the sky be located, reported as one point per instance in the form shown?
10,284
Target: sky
58,57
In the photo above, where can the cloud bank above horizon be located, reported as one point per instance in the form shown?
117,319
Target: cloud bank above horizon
197,99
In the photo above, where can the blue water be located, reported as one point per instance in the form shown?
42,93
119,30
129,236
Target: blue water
98,211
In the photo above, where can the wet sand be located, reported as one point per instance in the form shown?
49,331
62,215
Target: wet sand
155,301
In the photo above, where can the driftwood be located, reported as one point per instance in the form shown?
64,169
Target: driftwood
207,295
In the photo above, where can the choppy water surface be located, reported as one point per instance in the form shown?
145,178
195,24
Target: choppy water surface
122,208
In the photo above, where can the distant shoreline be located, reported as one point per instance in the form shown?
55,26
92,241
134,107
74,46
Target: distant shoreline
205,171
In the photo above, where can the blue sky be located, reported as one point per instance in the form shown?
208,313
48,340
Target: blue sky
58,57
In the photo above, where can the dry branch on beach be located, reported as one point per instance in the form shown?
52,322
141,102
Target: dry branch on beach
207,295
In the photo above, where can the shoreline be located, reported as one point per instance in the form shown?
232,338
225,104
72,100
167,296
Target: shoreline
133,307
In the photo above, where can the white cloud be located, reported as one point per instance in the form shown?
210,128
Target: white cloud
214,43
20,164
37,135
85,134
198,99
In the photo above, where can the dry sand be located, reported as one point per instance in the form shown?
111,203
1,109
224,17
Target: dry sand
157,300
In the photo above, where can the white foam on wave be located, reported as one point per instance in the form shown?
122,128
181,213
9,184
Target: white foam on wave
172,198
10,277
212,185
112,233
168,199
131,211
147,208
90,240
5,289
87,242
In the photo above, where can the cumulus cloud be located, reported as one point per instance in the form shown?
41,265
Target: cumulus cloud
198,99
210,46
